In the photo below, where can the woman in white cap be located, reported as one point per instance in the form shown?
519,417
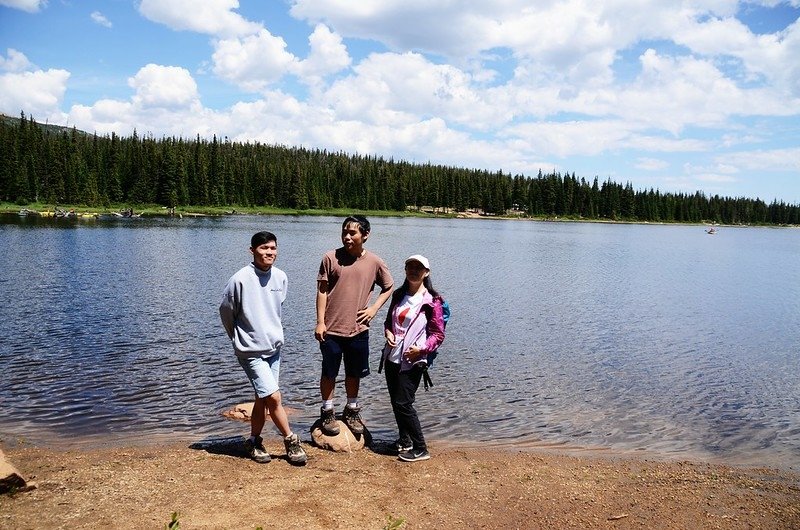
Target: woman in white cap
414,328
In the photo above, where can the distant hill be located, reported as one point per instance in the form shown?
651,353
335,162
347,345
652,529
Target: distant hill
10,120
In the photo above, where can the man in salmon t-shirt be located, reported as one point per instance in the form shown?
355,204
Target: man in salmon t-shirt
345,281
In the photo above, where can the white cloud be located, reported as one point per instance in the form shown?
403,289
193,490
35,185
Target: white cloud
99,18
123,117
650,164
328,55
16,61
570,39
713,178
104,117
252,62
38,93
401,88
168,87
165,102
31,6
771,56
673,93
765,160
212,17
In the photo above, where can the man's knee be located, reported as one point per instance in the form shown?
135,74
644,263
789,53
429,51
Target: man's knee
273,400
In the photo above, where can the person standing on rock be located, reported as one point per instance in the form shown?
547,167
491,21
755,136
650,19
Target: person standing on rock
251,314
414,328
345,282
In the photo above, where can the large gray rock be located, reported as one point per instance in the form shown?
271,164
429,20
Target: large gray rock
344,442
10,478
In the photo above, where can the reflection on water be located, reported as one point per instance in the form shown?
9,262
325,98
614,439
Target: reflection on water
652,338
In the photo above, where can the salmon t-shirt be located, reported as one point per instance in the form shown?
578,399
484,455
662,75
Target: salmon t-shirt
350,283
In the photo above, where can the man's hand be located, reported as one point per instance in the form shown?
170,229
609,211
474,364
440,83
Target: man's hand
390,338
320,331
365,316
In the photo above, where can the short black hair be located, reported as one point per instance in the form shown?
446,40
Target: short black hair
260,238
360,220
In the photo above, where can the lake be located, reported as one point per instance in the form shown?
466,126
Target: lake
650,339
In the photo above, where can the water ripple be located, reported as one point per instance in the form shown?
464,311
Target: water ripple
626,337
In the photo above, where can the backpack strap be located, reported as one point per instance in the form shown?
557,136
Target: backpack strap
426,377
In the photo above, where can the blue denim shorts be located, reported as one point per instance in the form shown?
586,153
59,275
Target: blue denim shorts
263,372
354,350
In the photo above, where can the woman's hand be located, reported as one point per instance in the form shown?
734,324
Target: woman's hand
390,339
413,354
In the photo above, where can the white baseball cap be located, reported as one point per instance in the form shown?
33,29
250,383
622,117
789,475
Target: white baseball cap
422,259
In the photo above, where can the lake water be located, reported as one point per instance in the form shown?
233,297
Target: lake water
660,340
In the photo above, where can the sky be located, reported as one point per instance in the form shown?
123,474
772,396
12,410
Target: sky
678,96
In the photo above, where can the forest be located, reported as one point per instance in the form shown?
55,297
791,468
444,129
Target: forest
50,164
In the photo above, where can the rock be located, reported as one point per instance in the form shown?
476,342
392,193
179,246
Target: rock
242,411
344,442
11,479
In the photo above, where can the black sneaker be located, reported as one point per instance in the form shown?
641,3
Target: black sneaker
294,452
352,418
414,455
400,446
255,449
329,424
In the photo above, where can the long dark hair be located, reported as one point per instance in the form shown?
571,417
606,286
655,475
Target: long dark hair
401,291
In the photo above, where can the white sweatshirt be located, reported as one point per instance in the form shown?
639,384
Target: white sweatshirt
251,310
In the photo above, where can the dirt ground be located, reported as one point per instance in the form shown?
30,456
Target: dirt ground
215,486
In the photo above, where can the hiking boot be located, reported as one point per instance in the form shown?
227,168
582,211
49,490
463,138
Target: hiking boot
330,426
294,452
256,450
399,446
352,418
414,455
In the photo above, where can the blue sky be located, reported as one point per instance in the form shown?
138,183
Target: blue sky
677,96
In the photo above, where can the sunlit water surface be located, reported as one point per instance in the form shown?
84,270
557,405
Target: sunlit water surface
655,339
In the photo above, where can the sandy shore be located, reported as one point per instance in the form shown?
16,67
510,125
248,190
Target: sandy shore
213,486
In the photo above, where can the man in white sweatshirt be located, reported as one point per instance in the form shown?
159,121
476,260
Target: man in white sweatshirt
251,314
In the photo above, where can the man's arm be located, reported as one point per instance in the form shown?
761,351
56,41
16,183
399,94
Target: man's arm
366,315
322,302
227,310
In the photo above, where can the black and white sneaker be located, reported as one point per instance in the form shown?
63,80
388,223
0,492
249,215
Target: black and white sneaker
256,451
400,446
294,453
414,455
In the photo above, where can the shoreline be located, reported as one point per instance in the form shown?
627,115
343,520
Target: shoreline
57,442
214,486
153,211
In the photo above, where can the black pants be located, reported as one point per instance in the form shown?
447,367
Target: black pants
402,392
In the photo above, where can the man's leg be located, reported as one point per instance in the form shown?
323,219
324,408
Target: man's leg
351,385
259,371
331,361
326,387
258,417
356,366
294,452
277,413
